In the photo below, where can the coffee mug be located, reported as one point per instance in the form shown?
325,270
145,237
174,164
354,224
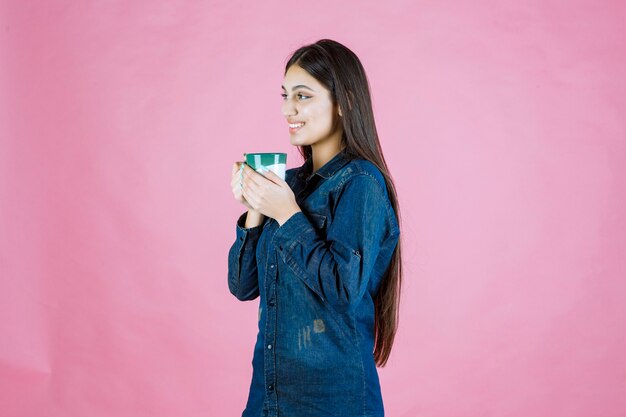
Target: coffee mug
268,161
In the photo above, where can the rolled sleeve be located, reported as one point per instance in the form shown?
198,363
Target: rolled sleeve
338,267
297,229
243,280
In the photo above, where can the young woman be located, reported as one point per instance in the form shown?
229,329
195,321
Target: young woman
321,248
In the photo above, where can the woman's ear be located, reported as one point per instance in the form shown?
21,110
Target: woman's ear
339,111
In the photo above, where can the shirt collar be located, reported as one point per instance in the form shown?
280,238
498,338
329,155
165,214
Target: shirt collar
326,171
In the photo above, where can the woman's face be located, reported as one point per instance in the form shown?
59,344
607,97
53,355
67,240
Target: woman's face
309,110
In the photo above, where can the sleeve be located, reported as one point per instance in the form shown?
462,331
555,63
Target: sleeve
338,268
243,281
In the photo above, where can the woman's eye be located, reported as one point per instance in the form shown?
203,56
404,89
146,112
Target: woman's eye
300,96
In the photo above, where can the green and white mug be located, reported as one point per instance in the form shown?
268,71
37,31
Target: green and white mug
268,161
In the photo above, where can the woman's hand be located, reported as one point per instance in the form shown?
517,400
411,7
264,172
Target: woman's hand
235,184
268,194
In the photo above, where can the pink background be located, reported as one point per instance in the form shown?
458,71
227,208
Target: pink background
504,127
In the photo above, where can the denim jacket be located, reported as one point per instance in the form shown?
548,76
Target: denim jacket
317,276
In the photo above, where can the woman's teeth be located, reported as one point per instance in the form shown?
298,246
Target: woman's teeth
296,125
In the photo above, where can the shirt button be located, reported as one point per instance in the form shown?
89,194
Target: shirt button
271,303
270,387
280,248
269,347
272,266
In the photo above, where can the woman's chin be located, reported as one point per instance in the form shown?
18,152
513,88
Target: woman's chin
296,141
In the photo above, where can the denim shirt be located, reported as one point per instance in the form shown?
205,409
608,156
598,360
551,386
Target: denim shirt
317,276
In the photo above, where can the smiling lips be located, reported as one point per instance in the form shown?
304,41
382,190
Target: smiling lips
294,127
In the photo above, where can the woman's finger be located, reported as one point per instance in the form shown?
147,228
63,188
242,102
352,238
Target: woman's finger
271,175
251,184
236,181
250,195
251,173
256,183
236,175
236,167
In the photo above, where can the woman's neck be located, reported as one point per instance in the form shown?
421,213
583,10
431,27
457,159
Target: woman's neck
322,154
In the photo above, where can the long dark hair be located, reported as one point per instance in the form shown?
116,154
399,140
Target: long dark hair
341,72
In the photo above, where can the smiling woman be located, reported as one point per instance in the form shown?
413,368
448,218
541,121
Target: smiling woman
321,249
312,114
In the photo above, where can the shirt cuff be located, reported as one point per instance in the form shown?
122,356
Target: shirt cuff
297,229
250,233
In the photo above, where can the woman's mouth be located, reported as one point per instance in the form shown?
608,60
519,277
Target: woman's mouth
294,127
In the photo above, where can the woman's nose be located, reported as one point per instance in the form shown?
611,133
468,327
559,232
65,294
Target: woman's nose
288,108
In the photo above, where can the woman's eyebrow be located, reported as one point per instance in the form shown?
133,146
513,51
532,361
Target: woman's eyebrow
298,86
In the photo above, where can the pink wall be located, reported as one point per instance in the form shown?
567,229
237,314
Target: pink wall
503,124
